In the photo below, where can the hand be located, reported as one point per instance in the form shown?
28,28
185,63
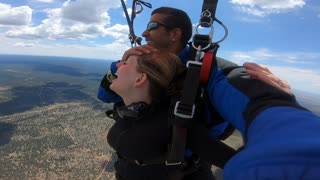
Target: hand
139,50
264,74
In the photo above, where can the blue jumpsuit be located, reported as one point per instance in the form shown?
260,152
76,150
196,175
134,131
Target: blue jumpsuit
282,139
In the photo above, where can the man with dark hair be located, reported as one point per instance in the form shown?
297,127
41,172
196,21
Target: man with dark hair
169,30
176,19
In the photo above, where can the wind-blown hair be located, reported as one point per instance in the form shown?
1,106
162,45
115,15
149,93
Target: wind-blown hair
163,70
177,18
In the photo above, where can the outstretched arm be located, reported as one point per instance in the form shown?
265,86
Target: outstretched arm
239,98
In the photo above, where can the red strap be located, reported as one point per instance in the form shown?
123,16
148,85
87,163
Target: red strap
206,67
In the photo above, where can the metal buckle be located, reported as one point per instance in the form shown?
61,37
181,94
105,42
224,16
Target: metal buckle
139,163
183,115
194,63
210,35
173,164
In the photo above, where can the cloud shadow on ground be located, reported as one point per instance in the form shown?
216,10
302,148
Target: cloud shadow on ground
26,98
6,132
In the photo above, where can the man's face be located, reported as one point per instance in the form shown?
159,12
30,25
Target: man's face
159,35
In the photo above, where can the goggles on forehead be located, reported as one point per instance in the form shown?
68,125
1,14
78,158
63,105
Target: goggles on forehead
152,25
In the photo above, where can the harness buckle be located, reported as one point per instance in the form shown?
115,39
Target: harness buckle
173,163
197,63
139,163
185,116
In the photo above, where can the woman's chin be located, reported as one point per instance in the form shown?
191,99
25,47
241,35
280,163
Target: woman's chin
112,86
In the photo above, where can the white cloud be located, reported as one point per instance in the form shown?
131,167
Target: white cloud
263,55
45,1
64,28
22,44
118,31
263,8
17,16
67,23
89,13
112,51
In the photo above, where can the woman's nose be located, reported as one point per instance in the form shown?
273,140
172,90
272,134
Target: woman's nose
119,64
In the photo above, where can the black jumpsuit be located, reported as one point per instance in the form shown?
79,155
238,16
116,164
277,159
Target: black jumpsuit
142,145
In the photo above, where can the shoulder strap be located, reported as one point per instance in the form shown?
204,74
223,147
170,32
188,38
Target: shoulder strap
198,71
185,108
184,111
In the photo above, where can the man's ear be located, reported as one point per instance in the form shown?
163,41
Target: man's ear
175,34
142,79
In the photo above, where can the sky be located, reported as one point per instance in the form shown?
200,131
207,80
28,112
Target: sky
280,34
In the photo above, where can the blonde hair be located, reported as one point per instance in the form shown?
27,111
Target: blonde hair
163,70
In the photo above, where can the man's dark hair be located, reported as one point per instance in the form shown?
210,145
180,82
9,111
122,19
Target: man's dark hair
177,18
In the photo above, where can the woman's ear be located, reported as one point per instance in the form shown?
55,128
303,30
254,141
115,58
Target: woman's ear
141,79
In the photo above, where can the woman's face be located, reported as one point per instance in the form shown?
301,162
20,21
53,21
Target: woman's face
127,76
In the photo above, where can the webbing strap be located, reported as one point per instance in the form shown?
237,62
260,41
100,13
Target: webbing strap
176,156
208,6
191,83
184,111
206,66
185,108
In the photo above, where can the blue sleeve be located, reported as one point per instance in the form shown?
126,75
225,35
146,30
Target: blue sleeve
105,94
227,100
282,143
113,68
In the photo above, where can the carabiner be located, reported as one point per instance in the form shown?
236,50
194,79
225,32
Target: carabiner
135,8
210,34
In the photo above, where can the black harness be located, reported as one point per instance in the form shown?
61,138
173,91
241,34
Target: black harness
203,55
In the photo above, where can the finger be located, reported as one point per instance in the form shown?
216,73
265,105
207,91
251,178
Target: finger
138,51
285,89
287,85
257,67
268,78
254,66
282,83
131,52
261,76
276,82
252,73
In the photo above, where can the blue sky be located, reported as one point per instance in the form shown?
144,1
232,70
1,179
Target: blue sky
280,34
